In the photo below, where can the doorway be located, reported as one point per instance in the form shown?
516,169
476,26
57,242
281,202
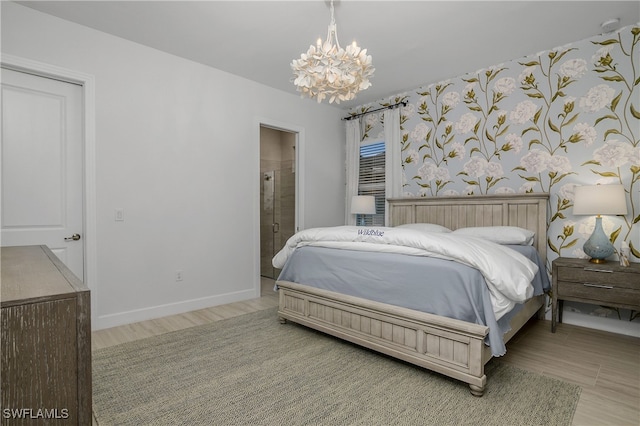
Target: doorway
87,82
277,194
42,165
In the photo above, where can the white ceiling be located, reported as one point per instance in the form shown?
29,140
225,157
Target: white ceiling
413,43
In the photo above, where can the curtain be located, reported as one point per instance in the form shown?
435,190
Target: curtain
393,155
393,158
352,166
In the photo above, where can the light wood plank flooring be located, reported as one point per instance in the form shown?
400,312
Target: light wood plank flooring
140,330
605,365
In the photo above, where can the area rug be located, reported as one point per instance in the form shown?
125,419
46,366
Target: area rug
252,370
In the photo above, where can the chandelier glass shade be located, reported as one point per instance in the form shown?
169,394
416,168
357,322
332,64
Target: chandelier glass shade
329,71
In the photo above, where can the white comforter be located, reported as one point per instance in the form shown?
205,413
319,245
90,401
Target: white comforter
508,273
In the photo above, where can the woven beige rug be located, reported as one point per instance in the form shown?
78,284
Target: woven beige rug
252,370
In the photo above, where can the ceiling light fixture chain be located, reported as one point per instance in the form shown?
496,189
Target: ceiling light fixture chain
332,31
329,71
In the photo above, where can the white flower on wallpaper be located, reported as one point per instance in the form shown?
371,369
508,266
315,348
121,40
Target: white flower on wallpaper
408,110
513,142
429,171
419,133
567,191
451,99
469,190
602,55
523,112
526,76
548,122
634,158
526,187
597,98
585,133
494,170
559,164
457,150
466,123
505,86
535,161
573,68
372,119
411,156
476,167
469,89
614,153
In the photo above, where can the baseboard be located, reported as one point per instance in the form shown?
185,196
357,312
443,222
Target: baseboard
612,325
128,317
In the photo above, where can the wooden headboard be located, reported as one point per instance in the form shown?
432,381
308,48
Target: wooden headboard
527,211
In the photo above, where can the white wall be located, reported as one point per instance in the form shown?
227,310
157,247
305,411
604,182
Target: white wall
176,148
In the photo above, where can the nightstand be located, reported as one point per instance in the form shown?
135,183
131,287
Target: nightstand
607,284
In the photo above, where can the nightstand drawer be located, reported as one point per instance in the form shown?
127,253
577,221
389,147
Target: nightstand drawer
599,293
600,276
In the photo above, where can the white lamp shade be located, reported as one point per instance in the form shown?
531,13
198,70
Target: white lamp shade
599,199
363,204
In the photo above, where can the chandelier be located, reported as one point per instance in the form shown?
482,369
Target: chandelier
328,70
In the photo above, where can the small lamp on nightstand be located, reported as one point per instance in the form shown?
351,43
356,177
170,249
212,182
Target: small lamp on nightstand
363,204
599,200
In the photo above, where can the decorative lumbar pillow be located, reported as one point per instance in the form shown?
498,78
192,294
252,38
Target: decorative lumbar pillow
499,234
425,227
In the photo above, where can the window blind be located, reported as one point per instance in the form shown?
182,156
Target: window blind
371,180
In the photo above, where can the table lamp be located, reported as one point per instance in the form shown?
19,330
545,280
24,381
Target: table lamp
363,204
599,200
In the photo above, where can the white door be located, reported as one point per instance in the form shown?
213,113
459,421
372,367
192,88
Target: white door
42,166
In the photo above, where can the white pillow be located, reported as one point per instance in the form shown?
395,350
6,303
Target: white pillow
425,227
499,234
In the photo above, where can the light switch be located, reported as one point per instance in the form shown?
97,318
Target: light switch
119,215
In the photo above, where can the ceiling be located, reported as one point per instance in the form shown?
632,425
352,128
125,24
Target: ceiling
413,43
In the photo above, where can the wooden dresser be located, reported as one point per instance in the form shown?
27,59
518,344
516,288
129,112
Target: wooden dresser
46,340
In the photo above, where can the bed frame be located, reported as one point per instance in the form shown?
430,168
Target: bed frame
448,346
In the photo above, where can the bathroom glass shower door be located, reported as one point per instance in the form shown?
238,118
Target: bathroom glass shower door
277,216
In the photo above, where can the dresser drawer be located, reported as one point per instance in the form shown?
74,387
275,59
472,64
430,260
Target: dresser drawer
599,293
600,276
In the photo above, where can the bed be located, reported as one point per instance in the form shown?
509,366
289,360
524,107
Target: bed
449,346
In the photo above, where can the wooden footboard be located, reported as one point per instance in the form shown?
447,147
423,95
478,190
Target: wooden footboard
451,347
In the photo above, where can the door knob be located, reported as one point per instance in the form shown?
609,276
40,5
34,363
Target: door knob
74,237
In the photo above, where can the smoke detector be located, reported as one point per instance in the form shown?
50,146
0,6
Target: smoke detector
610,25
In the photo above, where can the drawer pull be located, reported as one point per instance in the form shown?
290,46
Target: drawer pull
597,285
598,270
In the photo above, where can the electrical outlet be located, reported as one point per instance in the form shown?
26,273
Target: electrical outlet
179,275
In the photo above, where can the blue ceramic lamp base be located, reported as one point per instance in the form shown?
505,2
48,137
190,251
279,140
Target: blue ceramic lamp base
598,246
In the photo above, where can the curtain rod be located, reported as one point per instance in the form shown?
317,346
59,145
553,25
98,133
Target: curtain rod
351,117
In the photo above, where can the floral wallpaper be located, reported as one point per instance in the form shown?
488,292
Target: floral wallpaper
543,123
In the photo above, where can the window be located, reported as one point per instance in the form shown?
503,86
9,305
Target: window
371,180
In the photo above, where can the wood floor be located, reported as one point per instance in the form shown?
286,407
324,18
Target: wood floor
605,365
